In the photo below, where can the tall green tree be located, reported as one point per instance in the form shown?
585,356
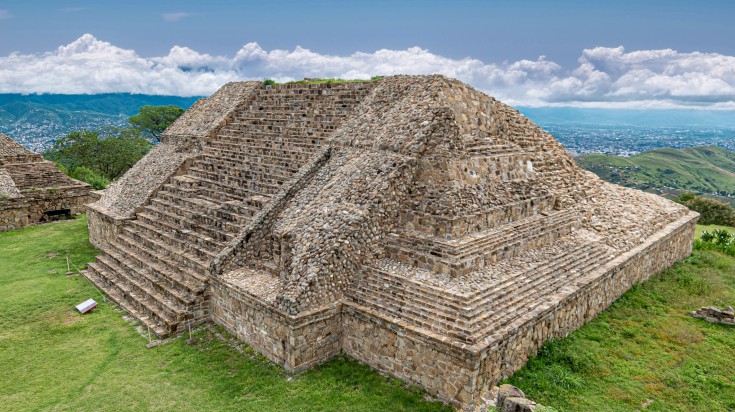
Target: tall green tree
109,152
153,120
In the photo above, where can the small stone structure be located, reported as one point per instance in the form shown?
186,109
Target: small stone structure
34,190
412,223
715,315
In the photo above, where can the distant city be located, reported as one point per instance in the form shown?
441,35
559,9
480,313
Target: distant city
627,141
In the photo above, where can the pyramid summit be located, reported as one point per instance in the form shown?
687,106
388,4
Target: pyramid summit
33,190
412,223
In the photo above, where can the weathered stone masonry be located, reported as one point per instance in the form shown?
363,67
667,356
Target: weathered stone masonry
412,223
33,190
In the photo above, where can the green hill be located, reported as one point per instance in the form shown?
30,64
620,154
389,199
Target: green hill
706,170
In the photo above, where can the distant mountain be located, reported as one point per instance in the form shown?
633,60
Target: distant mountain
37,120
704,170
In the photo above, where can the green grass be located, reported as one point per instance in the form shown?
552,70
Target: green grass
53,358
644,347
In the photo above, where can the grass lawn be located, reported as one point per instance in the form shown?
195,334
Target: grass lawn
53,358
644,348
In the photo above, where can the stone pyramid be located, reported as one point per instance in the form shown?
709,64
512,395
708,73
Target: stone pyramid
412,223
34,190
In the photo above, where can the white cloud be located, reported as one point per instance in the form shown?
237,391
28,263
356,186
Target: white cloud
170,17
5,14
603,77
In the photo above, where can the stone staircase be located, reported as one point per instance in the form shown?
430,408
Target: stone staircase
156,267
396,290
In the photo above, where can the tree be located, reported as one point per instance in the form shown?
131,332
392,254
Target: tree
108,152
153,120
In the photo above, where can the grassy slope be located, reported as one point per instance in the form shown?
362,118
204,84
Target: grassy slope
56,359
646,348
699,169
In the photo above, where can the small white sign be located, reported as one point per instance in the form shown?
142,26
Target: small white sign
86,306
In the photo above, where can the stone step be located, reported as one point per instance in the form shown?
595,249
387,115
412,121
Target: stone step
237,188
185,213
135,304
200,206
157,235
154,324
234,155
282,166
472,318
182,279
147,297
221,192
236,149
218,227
167,283
188,233
474,252
164,254
271,183
293,127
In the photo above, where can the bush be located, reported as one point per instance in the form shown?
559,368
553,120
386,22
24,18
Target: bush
269,82
88,175
712,212
720,240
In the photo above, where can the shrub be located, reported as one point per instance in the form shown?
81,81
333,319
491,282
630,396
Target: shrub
269,82
718,239
712,212
88,175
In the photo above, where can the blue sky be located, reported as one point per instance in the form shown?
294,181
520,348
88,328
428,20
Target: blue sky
442,36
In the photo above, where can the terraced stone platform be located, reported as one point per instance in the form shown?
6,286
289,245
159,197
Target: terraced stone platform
33,190
413,223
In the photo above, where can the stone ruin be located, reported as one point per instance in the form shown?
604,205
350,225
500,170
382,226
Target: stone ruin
34,190
412,223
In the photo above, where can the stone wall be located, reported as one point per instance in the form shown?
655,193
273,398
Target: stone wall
458,372
294,342
17,213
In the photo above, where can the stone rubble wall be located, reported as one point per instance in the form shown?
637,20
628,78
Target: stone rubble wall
350,213
295,343
8,189
11,148
459,373
460,226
